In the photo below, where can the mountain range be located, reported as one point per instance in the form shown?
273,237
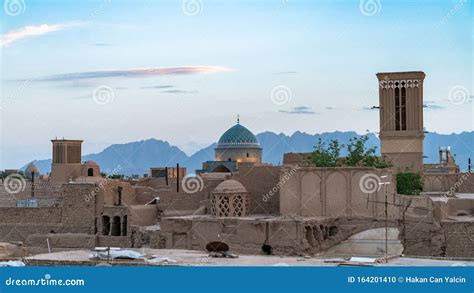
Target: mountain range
137,157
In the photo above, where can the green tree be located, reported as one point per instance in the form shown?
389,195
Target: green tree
326,156
360,155
409,183
116,176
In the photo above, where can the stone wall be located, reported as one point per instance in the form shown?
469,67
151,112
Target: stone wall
459,237
63,240
259,182
75,215
285,236
184,202
460,182
434,228
115,241
337,192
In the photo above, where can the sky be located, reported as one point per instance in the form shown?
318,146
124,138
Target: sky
109,71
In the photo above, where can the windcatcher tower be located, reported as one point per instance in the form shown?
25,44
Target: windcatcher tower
66,160
401,118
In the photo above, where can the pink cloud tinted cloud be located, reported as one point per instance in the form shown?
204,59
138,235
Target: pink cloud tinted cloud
138,72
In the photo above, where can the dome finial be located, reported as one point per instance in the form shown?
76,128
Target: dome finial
238,119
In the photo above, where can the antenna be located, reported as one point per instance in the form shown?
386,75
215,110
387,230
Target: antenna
238,118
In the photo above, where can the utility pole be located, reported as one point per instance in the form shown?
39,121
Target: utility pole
33,184
386,204
386,215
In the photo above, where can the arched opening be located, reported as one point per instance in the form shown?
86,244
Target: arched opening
105,225
230,159
116,226
332,230
267,249
124,226
222,169
90,172
248,155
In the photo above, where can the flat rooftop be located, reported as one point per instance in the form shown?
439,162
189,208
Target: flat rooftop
179,257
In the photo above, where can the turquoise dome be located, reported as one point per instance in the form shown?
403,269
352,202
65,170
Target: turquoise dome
238,135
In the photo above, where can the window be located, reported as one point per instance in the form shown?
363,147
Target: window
400,106
115,230
248,155
105,225
90,172
404,108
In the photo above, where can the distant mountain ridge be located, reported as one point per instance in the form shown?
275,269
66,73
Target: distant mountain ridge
137,157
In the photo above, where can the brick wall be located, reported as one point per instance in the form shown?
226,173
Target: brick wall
459,239
75,215
259,181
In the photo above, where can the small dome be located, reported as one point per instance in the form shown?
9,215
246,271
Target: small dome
230,186
238,135
90,164
31,168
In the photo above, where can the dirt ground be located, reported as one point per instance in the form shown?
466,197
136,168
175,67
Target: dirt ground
175,257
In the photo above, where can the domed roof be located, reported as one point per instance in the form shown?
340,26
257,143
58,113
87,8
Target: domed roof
230,186
238,135
91,163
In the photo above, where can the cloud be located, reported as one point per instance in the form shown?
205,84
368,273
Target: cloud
435,107
101,45
30,31
299,110
134,73
431,105
170,90
179,92
158,87
329,108
286,72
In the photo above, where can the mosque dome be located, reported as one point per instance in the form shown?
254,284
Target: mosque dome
238,144
238,136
